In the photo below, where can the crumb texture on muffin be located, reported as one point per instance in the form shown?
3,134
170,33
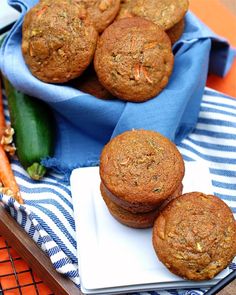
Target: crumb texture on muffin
141,168
57,43
134,59
195,236
102,12
164,13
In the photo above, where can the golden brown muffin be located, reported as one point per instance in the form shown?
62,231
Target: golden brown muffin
135,220
176,31
195,236
164,13
140,169
134,59
58,43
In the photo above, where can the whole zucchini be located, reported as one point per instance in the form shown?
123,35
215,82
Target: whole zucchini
33,123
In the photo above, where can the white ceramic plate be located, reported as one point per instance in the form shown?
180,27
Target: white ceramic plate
113,257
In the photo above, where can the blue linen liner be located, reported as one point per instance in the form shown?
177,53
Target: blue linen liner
85,123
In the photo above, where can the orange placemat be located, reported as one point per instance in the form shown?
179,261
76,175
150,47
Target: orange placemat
223,22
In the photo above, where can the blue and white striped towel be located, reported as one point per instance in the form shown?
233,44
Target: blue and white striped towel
47,215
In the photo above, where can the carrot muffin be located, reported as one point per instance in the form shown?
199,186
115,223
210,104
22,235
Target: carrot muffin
58,43
134,59
164,13
176,31
135,220
195,236
140,169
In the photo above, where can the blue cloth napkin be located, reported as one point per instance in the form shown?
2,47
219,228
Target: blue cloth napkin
86,123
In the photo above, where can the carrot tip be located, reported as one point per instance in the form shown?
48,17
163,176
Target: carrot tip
19,198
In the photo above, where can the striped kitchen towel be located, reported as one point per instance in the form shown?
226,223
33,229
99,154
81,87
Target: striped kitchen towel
47,215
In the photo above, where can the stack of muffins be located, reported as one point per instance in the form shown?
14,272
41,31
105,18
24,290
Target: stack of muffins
194,235
129,42
140,171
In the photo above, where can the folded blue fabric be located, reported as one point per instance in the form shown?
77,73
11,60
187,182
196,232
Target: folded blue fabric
86,123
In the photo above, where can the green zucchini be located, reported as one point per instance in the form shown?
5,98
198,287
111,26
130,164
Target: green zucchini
33,123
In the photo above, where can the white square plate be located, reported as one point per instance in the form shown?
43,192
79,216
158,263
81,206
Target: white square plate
113,257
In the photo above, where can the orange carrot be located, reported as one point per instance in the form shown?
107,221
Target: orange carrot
41,11
7,177
2,118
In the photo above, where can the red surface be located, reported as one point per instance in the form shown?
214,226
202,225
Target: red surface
223,22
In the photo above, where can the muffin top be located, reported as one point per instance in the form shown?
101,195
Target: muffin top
134,59
164,13
100,12
195,236
142,168
58,43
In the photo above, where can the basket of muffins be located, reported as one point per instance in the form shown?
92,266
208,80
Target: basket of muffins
107,48
193,234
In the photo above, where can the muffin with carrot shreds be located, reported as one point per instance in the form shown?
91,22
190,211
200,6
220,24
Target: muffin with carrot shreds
58,42
133,59
140,169
195,236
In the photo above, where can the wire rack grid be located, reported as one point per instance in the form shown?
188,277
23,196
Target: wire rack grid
16,277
